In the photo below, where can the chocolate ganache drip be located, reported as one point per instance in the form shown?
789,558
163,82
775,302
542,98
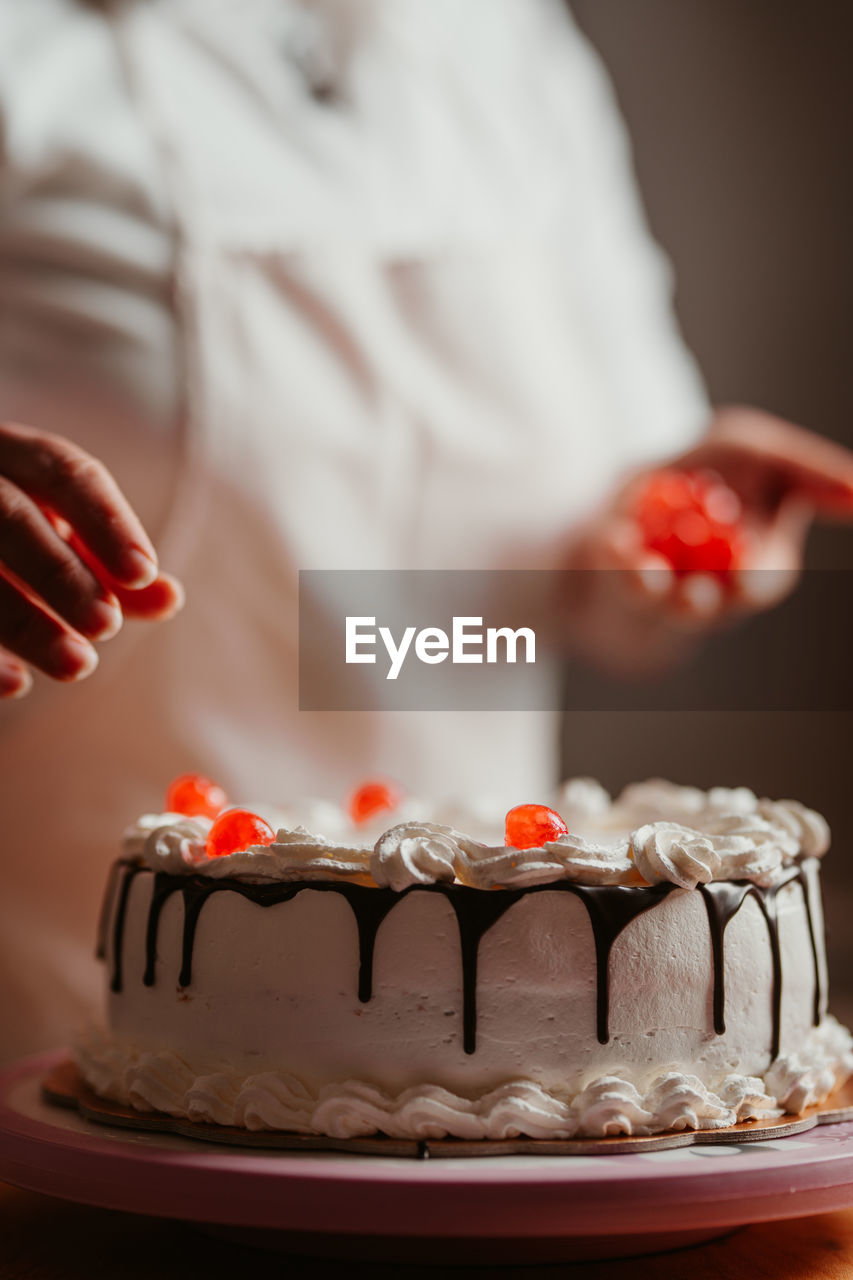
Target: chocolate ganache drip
106,907
610,909
723,900
127,879
809,885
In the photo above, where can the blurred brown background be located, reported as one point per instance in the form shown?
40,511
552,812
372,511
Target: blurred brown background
740,115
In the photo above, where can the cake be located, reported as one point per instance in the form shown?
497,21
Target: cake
657,964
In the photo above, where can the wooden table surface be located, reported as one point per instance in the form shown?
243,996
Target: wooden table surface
46,1239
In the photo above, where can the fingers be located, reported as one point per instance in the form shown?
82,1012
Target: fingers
769,573
27,632
156,602
74,559
760,453
35,554
57,473
689,602
54,648
15,678
773,566
700,600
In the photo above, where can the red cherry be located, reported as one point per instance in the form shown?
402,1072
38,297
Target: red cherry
692,520
196,796
717,555
529,826
372,798
665,492
237,829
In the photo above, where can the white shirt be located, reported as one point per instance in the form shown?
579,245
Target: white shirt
344,284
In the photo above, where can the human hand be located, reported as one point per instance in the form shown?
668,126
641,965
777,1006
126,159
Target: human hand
641,615
74,560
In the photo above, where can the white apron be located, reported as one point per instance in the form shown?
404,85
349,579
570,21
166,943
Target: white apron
421,326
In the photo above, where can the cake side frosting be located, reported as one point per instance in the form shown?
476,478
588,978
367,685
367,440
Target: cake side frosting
278,992
608,1105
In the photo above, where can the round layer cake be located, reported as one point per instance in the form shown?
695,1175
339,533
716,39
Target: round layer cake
660,965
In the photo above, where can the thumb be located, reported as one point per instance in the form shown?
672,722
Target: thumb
766,459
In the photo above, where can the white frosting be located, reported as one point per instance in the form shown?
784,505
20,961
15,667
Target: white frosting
745,849
656,798
610,1104
176,847
810,1074
136,836
294,855
809,831
572,857
416,853
654,831
583,799
170,842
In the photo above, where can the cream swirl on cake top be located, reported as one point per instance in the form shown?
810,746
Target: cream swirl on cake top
653,832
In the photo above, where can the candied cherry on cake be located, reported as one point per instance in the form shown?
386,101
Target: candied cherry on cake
692,519
237,829
196,796
372,798
529,826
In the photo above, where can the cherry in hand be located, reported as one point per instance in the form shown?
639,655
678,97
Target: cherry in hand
693,520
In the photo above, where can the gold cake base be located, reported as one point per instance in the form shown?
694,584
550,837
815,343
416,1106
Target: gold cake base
64,1086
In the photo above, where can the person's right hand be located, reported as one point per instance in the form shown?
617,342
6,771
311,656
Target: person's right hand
631,615
74,560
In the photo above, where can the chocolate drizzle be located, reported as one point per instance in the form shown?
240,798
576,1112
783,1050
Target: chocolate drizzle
369,911
104,915
476,912
610,909
806,881
129,875
723,899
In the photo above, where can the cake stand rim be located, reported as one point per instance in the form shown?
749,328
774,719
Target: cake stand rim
548,1196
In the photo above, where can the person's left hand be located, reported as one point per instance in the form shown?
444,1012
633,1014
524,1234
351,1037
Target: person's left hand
632,614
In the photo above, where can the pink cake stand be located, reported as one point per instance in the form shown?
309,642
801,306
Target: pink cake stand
507,1208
